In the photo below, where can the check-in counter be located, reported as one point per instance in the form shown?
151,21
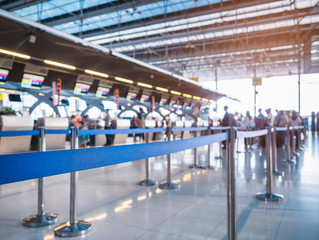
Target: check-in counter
178,124
160,136
121,124
54,141
99,140
150,124
187,134
15,144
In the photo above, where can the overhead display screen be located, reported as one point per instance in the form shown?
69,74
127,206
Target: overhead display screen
3,75
144,98
81,88
102,92
163,101
131,96
32,81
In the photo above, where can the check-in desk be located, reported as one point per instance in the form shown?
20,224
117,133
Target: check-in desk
176,134
187,134
160,136
99,139
121,124
15,144
150,124
54,141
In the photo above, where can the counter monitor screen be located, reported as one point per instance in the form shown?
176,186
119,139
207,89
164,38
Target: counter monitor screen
144,98
163,101
131,96
172,102
102,92
3,75
81,88
32,81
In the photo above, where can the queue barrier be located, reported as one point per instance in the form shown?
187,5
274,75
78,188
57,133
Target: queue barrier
31,165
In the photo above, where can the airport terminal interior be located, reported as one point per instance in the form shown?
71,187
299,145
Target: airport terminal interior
159,119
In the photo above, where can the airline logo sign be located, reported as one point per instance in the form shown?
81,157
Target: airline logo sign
257,81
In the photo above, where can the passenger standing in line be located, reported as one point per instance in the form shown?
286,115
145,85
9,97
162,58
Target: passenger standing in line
107,120
77,121
133,125
232,120
260,124
140,123
295,121
281,121
225,123
248,123
269,121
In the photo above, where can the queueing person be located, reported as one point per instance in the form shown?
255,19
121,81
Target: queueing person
107,120
140,123
248,123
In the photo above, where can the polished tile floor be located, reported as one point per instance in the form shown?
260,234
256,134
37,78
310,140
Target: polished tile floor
120,209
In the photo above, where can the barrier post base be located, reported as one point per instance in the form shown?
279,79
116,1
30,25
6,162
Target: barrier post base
68,230
40,220
277,173
147,182
169,185
271,197
197,166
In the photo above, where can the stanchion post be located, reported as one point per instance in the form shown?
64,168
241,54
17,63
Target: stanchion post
169,184
231,186
268,195
195,164
74,227
147,181
209,153
41,219
274,154
220,149
294,150
288,144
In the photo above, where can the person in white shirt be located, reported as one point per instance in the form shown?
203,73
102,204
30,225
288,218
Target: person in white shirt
248,123
269,122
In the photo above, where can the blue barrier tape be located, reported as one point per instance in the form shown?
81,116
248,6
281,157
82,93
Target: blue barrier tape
220,128
58,131
120,131
250,134
189,129
281,129
25,166
19,133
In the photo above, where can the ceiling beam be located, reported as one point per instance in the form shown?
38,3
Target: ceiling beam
173,17
10,5
95,11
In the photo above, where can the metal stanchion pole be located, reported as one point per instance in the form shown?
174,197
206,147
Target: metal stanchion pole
74,227
209,153
147,181
41,219
275,170
299,139
220,149
231,187
195,164
289,146
169,184
268,195
294,151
